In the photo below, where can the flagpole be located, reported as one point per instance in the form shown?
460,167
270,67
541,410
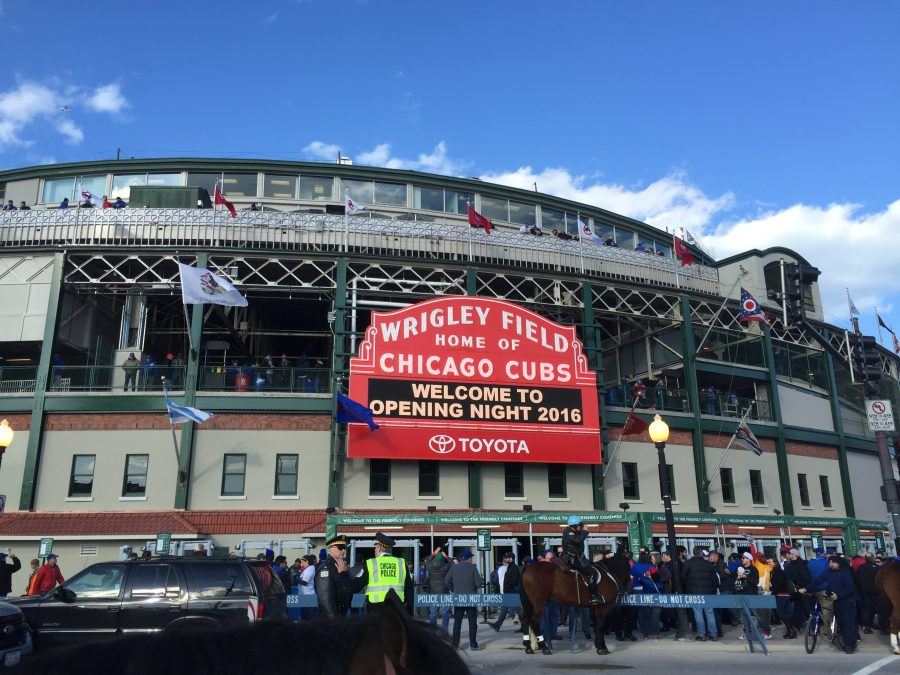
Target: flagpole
709,481
346,218
675,259
187,318
171,423
615,450
712,322
580,242
469,206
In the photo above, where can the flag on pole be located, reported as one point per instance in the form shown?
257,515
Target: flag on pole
199,286
681,249
853,310
219,199
896,345
179,414
633,426
750,309
478,220
745,438
589,234
351,207
96,202
349,410
883,324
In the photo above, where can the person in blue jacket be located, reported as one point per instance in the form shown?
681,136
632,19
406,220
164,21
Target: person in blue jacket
643,572
841,591
817,568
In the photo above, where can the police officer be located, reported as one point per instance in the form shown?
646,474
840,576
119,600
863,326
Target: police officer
332,581
384,572
573,548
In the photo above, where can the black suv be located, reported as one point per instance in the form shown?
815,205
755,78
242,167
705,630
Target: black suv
107,600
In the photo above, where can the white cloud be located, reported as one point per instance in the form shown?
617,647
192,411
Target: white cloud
670,201
108,99
320,150
437,161
852,249
70,130
269,20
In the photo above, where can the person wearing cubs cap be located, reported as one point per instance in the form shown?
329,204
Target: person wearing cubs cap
47,576
332,581
385,572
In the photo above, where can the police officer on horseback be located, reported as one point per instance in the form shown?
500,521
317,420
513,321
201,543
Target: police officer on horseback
573,538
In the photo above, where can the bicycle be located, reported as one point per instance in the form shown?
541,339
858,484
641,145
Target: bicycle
813,625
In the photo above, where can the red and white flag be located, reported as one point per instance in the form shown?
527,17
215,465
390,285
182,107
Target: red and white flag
478,220
219,199
681,249
351,207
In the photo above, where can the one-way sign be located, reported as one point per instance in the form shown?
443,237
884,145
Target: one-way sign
880,416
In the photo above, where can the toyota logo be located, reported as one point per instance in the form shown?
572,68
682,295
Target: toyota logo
441,444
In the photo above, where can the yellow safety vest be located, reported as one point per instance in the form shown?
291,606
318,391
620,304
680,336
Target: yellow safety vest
385,572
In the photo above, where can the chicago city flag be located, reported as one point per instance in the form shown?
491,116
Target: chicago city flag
750,309
179,414
199,286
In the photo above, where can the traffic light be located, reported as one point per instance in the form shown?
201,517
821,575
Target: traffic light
866,362
796,276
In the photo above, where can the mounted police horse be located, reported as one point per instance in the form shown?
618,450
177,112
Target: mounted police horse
543,581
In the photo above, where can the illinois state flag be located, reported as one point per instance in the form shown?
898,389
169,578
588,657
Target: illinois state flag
478,220
219,199
687,258
199,286
750,309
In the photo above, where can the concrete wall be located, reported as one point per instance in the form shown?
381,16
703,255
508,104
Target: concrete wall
110,447
454,487
681,457
740,462
865,479
805,409
535,492
25,288
814,467
261,447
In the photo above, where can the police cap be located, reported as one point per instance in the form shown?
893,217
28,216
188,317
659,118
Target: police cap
338,540
384,540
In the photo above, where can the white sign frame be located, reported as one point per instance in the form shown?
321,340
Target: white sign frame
880,416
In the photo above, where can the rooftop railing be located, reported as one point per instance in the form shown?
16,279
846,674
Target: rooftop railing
448,239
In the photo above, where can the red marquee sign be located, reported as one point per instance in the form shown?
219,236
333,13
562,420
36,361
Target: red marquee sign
474,379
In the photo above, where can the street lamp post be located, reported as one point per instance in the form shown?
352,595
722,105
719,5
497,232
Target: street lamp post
659,434
6,437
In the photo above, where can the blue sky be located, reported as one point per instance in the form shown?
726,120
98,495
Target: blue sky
750,123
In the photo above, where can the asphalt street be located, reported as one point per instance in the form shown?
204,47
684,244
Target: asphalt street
502,653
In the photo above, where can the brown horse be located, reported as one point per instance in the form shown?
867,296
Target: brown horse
888,583
542,581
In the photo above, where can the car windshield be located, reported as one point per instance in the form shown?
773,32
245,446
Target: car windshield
98,581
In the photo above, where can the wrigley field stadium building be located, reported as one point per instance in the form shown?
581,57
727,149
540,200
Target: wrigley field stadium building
500,365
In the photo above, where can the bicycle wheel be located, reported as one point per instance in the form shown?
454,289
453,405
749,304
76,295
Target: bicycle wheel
812,634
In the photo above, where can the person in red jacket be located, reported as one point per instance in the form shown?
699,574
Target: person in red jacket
47,577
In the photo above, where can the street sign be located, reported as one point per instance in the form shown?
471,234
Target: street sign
163,544
484,540
816,539
46,547
879,540
880,415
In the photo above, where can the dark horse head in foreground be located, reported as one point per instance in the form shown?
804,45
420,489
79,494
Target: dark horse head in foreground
888,582
388,643
542,581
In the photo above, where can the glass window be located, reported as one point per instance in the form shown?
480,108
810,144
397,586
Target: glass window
380,477
135,484
220,580
551,219
317,188
280,187
727,480
646,244
455,202
522,214
361,191
57,189
604,231
239,184
513,480
572,223
630,487
664,249
429,199
391,194
148,581
556,481
670,470
286,470
82,481
624,238
163,179
234,469
97,581
756,488
429,478
826,491
204,180
494,208
121,185
803,488
96,185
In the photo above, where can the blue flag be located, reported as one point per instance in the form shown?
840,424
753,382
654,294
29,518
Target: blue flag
179,414
349,410
750,309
